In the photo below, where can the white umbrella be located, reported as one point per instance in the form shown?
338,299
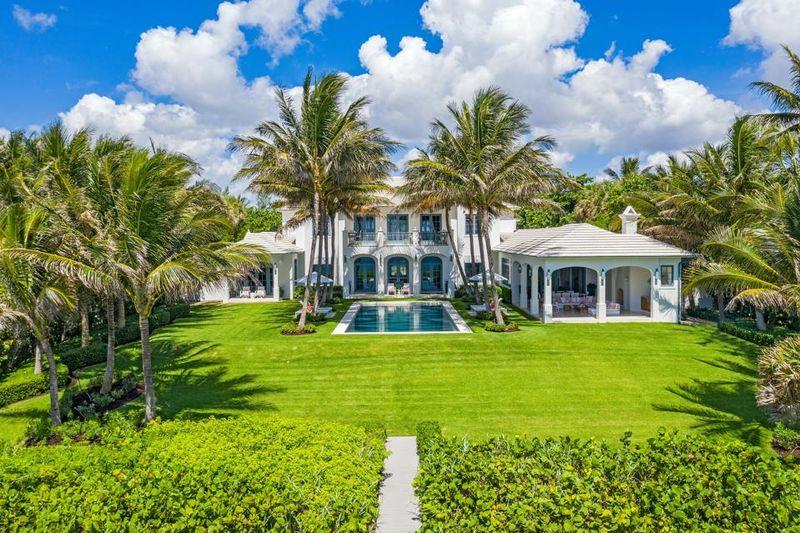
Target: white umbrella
477,278
324,280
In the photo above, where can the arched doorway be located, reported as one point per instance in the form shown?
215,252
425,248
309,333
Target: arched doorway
397,271
516,283
574,292
431,275
364,274
628,291
528,287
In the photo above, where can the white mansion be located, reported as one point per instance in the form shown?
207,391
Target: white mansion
576,272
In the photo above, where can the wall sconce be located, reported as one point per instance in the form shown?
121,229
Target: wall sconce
656,276
519,268
547,279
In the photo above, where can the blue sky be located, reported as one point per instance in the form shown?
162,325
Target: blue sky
78,48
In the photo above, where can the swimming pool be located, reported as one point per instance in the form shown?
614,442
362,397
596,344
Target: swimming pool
401,317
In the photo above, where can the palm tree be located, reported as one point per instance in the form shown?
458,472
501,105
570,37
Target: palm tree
30,296
484,156
170,242
785,101
312,152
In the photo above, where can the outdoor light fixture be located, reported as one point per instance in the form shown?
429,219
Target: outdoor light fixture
656,274
519,268
602,276
547,279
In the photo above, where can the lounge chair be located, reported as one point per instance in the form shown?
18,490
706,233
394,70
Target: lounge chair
391,290
406,290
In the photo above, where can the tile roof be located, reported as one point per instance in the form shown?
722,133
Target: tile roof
271,243
584,240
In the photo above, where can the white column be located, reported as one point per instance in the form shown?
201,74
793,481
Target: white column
601,295
534,304
548,296
380,275
276,282
292,277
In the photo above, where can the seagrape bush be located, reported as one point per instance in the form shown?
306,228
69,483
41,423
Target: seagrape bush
673,482
225,475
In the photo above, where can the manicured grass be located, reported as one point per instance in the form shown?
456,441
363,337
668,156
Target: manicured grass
563,379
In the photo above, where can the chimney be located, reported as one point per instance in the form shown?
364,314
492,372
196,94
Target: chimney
630,220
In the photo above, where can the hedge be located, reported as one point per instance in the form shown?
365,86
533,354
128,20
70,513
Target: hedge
674,482
762,338
23,383
241,475
75,357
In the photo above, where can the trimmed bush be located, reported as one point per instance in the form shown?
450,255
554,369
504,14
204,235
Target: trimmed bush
291,328
494,327
178,311
241,475
76,358
158,318
23,383
762,338
674,482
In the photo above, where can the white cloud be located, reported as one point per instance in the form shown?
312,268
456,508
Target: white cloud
4,133
187,91
766,25
30,21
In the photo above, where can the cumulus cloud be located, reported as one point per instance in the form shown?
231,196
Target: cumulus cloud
766,25
188,93
30,21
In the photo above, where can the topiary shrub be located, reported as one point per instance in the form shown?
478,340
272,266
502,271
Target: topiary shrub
292,328
242,474
779,381
673,482
23,383
494,327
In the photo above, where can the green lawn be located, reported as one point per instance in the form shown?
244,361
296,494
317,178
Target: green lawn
575,379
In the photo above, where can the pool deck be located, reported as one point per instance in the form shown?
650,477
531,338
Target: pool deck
341,327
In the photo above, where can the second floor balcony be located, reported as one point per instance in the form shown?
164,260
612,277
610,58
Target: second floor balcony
397,238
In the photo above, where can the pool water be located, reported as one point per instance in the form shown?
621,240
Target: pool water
413,317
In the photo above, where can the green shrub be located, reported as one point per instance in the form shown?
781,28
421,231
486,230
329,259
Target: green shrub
762,338
428,435
158,318
178,311
76,358
494,327
674,482
23,383
241,475
291,328
130,333
312,318
299,290
786,437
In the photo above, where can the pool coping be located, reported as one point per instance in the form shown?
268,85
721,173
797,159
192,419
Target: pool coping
344,323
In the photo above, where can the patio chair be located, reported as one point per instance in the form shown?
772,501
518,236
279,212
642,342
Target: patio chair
391,290
260,292
244,293
406,290
612,309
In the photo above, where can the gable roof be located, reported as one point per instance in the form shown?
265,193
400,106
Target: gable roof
584,240
269,241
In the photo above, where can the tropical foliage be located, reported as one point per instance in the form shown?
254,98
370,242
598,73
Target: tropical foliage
673,482
240,475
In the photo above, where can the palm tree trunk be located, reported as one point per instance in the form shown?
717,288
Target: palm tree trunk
720,308
37,359
483,262
55,412
304,310
121,312
108,376
147,369
498,310
333,250
83,308
761,324
472,251
454,248
317,286
325,288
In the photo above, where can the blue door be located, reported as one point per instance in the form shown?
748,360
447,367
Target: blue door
431,274
364,274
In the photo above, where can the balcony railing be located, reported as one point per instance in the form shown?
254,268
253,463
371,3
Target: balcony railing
359,237
396,237
433,238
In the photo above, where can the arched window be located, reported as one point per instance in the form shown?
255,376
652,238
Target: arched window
364,274
397,271
431,274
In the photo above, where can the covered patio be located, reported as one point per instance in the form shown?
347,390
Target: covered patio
581,273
